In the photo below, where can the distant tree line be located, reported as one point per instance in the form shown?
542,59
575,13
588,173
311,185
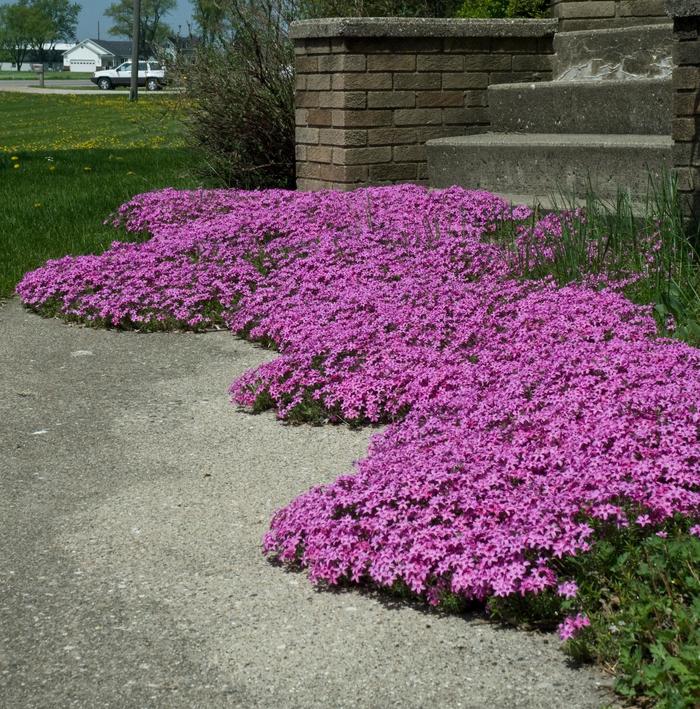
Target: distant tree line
36,26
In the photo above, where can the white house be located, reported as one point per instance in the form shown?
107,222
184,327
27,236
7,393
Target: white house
95,54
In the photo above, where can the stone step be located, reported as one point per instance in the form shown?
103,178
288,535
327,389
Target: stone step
625,53
550,165
635,106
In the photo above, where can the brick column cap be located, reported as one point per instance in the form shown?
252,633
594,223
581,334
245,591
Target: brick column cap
682,8
396,27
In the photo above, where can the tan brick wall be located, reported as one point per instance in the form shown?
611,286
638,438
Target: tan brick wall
601,14
367,105
686,110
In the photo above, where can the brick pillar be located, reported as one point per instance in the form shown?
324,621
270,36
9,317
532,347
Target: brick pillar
686,101
370,92
606,14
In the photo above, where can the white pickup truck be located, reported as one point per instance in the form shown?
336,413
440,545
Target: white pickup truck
151,75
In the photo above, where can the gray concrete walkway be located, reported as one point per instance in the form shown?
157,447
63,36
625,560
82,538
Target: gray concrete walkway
66,87
133,498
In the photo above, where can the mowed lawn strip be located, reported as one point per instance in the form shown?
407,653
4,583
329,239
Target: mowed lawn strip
67,162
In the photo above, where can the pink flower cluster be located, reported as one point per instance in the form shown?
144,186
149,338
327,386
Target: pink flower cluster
572,626
521,411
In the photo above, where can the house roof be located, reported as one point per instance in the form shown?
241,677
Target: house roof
120,48
117,48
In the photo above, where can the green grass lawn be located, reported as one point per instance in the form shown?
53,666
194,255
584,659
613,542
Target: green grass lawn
67,162
49,75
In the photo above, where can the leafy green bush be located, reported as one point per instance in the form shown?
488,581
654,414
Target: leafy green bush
640,590
503,8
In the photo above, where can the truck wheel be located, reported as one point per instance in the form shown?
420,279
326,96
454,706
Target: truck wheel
152,85
105,84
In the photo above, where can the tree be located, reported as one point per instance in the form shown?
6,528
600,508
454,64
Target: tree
53,21
36,25
209,17
153,29
17,25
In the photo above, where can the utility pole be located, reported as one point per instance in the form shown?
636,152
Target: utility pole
135,39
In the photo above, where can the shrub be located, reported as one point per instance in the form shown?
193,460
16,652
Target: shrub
504,8
240,95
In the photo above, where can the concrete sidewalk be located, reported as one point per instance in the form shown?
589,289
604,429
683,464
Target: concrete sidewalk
133,498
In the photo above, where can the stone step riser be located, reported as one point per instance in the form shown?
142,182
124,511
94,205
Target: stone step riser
641,106
635,52
549,165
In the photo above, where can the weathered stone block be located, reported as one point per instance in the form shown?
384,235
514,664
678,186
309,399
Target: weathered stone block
514,45
476,98
302,134
685,53
686,77
532,62
688,178
467,45
361,156
342,99
318,82
439,99
441,63
306,64
343,173
468,80
684,129
342,138
307,99
361,82
393,172
488,62
389,62
418,81
319,153
417,116
342,62
362,119
391,136
391,99
320,117
685,104
410,153
590,8
641,8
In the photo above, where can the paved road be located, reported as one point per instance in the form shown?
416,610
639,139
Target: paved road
66,86
133,498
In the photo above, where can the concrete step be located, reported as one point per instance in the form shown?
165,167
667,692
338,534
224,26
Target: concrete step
625,53
635,106
550,165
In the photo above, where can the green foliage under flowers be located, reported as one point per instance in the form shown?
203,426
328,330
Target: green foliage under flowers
620,238
641,593
504,8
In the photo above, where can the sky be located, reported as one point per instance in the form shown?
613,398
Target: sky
93,10
92,13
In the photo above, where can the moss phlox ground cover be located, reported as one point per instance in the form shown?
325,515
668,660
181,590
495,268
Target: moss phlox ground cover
521,412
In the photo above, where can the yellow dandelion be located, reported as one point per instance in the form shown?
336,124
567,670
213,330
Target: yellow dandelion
16,166
14,158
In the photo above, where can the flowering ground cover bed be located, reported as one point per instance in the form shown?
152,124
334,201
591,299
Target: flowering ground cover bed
528,421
